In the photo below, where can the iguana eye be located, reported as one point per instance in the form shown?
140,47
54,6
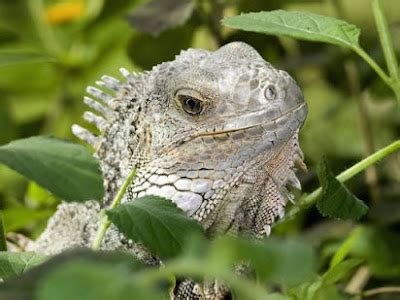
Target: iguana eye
270,92
190,101
190,104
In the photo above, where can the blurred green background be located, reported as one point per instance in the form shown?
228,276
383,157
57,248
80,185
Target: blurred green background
51,50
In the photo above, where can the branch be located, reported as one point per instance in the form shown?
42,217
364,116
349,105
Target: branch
381,290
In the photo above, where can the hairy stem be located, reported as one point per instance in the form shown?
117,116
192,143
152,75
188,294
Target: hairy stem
310,199
371,174
386,41
353,79
105,222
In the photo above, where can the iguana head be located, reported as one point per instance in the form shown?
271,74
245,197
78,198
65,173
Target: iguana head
222,109
198,126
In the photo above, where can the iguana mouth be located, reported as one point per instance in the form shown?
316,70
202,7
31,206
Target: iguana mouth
297,110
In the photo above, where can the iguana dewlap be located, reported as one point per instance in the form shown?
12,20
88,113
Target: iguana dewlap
215,132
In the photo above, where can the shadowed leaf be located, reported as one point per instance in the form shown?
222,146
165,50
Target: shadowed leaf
336,200
155,222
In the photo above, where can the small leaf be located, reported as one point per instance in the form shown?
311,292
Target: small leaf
19,56
336,200
13,264
340,271
299,25
155,222
68,170
157,16
345,247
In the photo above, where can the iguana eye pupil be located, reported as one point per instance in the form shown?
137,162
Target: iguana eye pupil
191,105
270,92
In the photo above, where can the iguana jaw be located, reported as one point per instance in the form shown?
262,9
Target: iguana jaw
257,119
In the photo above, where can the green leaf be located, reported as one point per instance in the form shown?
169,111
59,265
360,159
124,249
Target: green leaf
287,262
157,16
340,271
91,280
19,56
13,264
68,170
346,247
3,245
336,200
299,25
155,222
26,285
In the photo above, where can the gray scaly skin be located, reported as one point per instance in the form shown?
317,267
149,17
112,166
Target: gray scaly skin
215,132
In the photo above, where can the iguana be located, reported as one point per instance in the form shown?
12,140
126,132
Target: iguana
215,132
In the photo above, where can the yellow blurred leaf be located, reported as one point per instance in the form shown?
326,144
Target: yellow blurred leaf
64,12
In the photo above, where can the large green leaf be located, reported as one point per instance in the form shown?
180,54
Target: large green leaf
336,200
35,282
68,170
155,222
90,280
13,264
299,25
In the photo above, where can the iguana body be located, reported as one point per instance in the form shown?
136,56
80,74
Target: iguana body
215,132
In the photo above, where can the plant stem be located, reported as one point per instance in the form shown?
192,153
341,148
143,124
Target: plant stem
386,41
310,199
3,244
371,174
105,222
381,290
364,55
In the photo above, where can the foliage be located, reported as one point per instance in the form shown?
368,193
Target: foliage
336,200
50,50
156,223
65,169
